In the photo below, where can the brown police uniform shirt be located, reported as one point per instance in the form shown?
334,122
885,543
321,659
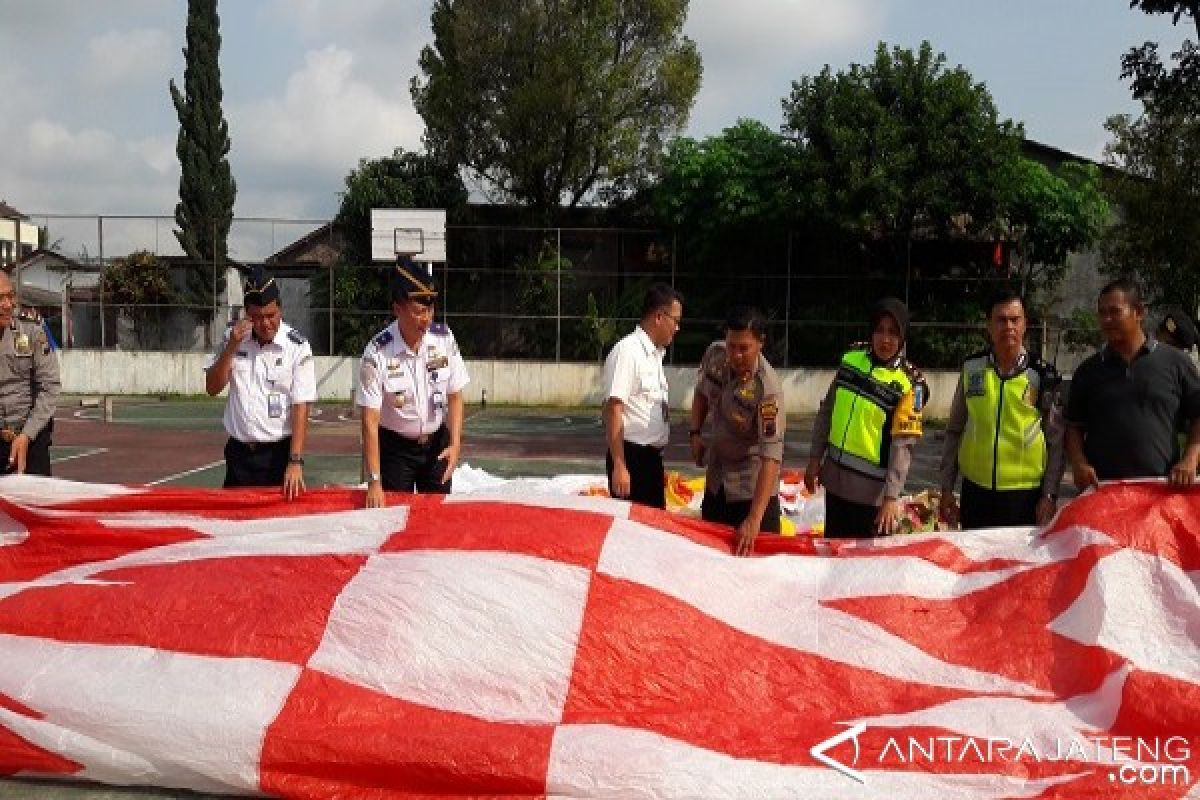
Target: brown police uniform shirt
29,384
748,422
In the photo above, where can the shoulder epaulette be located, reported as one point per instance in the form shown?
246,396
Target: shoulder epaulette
910,369
29,316
860,346
439,328
383,339
295,336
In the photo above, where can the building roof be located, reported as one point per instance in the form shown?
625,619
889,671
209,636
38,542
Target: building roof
305,249
57,262
8,212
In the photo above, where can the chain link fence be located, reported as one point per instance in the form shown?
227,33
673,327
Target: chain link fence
554,294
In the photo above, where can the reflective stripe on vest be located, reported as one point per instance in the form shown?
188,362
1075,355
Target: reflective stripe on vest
1003,446
865,400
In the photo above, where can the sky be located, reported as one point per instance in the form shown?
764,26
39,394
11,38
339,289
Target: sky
313,86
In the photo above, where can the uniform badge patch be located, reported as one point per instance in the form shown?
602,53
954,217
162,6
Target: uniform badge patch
975,384
768,412
21,345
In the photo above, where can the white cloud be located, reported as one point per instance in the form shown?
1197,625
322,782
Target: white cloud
326,120
753,49
91,169
383,19
158,152
119,57
740,34
51,145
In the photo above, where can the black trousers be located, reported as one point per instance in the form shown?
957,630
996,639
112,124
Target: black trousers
845,519
256,463
406,465
988,508
37,456
646,474
716,508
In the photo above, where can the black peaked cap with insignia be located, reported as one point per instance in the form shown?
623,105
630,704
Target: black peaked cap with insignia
260,287
411,281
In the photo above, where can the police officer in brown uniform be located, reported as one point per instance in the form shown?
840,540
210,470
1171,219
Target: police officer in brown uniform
737,385
28,389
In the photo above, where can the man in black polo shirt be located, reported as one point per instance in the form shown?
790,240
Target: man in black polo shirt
1127,400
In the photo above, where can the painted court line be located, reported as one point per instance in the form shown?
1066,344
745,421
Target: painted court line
95,451
185,473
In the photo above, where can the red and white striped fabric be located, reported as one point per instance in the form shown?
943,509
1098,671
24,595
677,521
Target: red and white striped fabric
560,646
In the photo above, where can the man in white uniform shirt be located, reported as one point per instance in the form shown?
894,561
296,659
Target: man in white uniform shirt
268,368
636,414
410,393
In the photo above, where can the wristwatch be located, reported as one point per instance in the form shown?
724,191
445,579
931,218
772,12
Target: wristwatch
296,458
373,477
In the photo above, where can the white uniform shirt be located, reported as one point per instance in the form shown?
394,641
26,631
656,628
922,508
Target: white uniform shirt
265,382
411,388
633,373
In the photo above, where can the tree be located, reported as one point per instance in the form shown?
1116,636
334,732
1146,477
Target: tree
1157,186
723,189
1052,214
1157,156
902,147
401,180
138,286
1166,88
206,186
553,102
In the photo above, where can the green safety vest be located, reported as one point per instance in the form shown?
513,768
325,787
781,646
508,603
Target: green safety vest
865,401
1003,446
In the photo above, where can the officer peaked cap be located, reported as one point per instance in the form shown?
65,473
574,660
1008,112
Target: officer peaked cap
411,281
260,288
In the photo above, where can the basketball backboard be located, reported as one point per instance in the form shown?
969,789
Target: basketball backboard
416,232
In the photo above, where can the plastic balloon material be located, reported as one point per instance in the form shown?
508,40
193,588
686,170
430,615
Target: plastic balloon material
555,645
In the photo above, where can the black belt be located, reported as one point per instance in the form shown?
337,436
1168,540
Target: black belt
420,440
254,447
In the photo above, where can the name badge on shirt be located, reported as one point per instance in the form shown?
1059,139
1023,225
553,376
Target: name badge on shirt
21,344
400,398
436,363
437,401
275,405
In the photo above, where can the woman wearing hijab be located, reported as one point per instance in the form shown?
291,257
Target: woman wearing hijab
866,428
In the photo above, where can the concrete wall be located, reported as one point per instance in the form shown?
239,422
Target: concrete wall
536,383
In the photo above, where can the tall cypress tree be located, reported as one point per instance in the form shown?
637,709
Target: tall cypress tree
206,186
